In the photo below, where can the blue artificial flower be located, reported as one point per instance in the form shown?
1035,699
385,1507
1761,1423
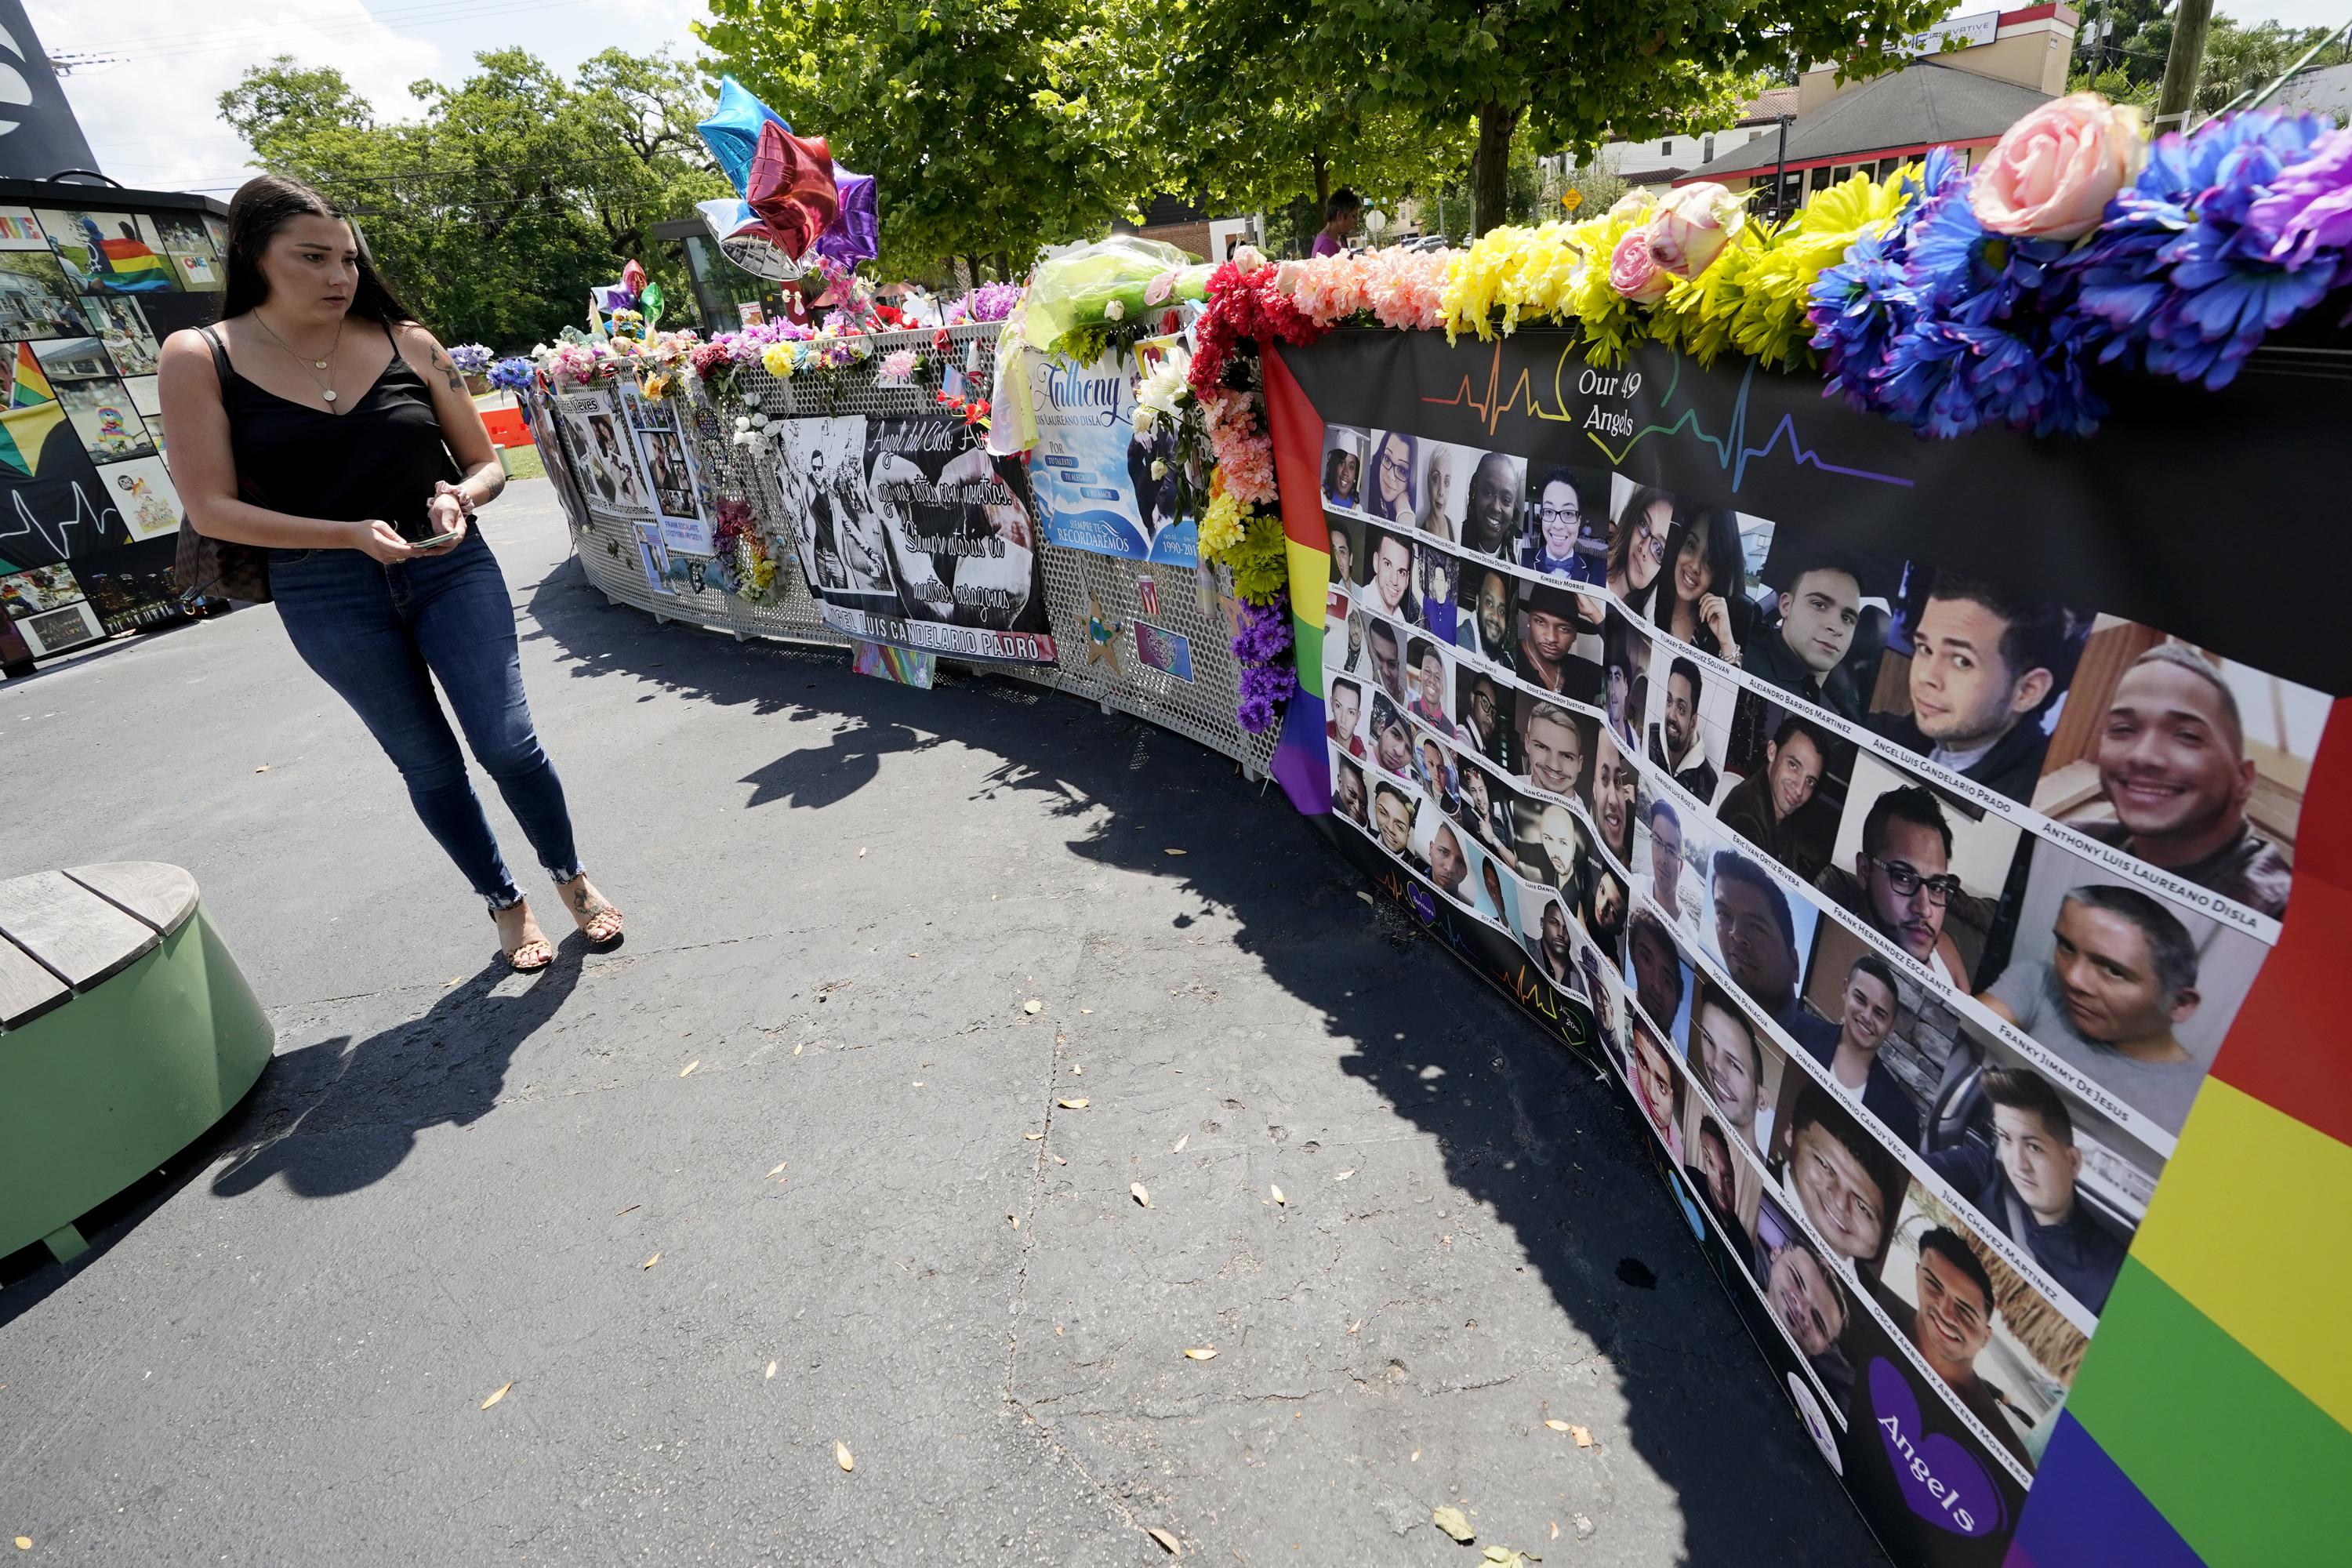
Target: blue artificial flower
2175,280
1860,306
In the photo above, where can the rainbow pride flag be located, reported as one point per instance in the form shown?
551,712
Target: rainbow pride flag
31,411
1301,764
130,268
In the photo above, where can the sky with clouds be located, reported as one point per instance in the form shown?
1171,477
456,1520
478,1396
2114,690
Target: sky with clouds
153,119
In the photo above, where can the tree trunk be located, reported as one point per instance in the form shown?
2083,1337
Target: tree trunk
1322,188
2183,65
1490,167
1003,267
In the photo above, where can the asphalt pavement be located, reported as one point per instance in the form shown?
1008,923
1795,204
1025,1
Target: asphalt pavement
840,1154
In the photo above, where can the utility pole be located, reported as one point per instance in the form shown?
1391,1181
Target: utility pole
1781,169
2183,65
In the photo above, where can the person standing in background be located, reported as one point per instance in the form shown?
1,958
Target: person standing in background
1341,216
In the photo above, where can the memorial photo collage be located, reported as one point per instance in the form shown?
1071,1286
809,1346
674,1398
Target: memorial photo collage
1912,909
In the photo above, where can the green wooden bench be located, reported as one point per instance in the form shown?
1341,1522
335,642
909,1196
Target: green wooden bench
126,1031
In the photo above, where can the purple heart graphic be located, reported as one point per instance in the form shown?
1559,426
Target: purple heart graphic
1423,902
1940,1480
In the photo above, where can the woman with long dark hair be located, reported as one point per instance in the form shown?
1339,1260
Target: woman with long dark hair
1394,459
1702,595
321,421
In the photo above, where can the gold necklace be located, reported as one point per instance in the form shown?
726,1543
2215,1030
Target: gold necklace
326,387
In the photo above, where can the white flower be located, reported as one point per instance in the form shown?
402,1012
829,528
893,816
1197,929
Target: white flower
742,422
1115,311
759,421
1248,258
1145,418
1158,469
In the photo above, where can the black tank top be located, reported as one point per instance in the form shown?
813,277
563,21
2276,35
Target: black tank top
378,460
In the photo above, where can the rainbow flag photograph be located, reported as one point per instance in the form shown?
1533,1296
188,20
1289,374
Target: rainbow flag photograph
109,253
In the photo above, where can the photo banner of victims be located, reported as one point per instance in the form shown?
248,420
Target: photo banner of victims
911,534
1907,822
1103,486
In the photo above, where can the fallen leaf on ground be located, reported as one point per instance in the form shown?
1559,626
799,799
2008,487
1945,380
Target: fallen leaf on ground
1168,1543
914,955
689,1067
453,980
917,1084
1171,851
1367,898
1077,1070
1451,1520
1179,1144
771,1369
1071,1104
841,1457
497,1393
1277,1195
1583,1525
262,769
1555,1530
1555,1426
649,1262
1201,1352
1357,1326
631,1209
1059,1161
861,855
1034,1137
1583,1435
1033,1006
24,1542
797,1049
780,1168
1507,1557
1416,1457
1344,1175
1085,1009
1015,1219
1142,1195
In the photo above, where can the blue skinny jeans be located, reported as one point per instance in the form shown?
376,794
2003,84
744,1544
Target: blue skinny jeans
380,636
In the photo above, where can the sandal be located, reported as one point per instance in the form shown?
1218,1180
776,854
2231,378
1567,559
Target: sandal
600,927
529,957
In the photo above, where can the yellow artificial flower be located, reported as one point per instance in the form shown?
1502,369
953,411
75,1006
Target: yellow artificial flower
1222,524
778,359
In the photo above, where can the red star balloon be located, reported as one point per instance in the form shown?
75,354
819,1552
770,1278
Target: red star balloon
790,187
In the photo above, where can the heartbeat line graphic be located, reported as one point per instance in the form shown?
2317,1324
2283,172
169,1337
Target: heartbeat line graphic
1731,448
54,534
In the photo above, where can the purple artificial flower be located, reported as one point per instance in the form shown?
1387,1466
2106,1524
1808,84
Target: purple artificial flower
2309,205
1264,634
1263,644
2177,279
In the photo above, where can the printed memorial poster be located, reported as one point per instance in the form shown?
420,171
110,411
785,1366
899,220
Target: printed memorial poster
911,534
1095,476
603,456
1904,823
670,472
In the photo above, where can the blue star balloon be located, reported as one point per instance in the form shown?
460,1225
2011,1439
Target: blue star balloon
733,131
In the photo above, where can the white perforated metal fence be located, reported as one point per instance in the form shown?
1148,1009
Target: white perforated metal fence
1079,585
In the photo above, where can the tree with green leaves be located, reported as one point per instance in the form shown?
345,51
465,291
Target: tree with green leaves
514,194
993,128
2127,63
1570,74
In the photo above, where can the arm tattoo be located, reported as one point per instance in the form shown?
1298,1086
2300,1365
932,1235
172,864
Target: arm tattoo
441,363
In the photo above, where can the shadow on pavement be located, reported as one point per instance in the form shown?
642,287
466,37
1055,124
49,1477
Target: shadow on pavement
358,1108
1528,1132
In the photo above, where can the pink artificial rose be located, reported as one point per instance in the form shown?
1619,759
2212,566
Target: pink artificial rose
1156,292
1636,273
2053,174
1691,226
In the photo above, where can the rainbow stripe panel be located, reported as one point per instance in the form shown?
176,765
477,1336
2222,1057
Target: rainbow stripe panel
2212,1419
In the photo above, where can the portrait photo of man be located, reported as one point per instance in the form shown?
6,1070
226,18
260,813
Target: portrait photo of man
1384,649
1449,867
1391,738
1479,703
1756,936
1788,800
1950,1324
2174,780
1345,702
1490,524
1348,793
1732,1063
1805,1295
1552,945
1871,1001
1821,610
1717,1176
1393,820
1557,746
1655,969
1893,867
1388,587
1550,845
1657,1087
1986,663
1430,679
1677,743
1616,800
2107,989
1845,1183
1481,623
1673,887
2027,1185
1604,908
1550,621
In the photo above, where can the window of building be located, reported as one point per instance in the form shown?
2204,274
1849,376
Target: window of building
1665,146
1706,149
